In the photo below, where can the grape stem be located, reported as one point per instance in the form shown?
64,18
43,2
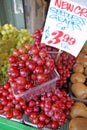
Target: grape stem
58,55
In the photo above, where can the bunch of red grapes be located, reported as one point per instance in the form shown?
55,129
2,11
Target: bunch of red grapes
37,35
50,110
11,107
64,63
29,66
64,67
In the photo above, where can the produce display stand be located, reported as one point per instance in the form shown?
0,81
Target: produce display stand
17,39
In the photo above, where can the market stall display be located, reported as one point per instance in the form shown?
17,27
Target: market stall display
38,91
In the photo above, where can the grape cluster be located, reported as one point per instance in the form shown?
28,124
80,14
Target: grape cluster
10,38
29,66
64,66
3,72
23,37
11,107
8,31
50,110
37,35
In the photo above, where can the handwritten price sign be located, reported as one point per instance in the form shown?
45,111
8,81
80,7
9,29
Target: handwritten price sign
66,26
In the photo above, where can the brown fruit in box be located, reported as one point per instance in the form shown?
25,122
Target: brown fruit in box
78,77
78,124
78,68
79,109
79,90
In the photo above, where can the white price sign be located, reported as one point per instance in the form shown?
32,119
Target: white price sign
66,26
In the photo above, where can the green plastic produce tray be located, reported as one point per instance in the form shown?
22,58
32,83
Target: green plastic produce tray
6,124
